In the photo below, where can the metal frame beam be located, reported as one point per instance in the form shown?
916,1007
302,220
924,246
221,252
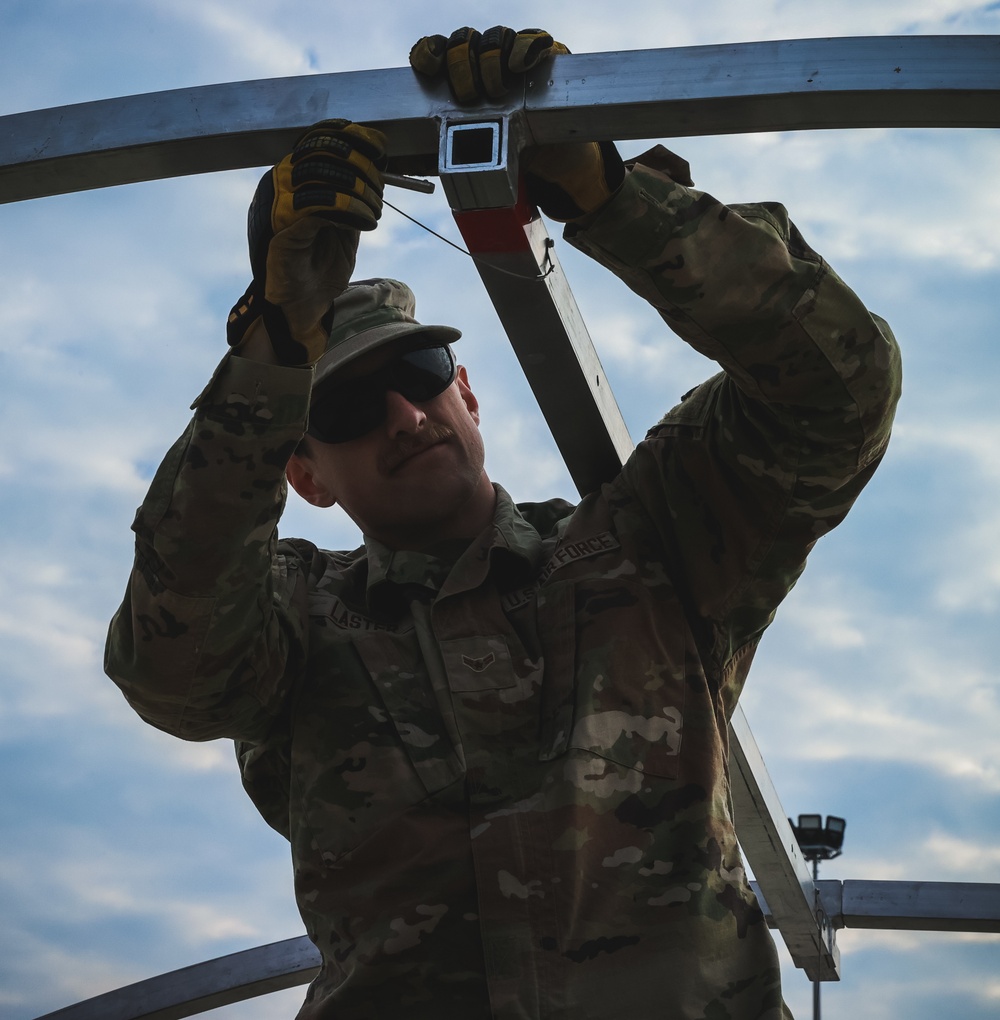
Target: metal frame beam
203,986
519,268
799,84
793,901
911,906
907,906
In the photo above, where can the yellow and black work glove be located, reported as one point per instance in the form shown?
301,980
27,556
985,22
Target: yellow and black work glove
303,232
482,65
566,181
570,180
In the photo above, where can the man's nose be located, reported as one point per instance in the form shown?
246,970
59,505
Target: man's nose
402,417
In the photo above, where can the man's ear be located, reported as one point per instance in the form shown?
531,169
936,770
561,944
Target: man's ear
300,474
468,397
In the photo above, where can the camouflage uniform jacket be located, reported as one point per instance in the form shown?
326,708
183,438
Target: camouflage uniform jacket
505,778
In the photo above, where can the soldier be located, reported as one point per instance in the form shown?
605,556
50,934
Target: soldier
496,735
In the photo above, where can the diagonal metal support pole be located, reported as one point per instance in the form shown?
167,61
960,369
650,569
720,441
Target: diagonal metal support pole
518,267
784,882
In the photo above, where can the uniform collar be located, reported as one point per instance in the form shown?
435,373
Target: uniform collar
509,546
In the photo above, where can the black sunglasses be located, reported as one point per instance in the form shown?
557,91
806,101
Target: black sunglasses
348,409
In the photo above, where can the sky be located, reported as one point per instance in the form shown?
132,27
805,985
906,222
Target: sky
125,853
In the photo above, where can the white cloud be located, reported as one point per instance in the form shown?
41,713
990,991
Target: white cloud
829,625
966,558
62,642
637,348
961,857
277,1004
583,26
851,679
39,614
67,975
524,460
853,942
97,459
932,856
261,45
849,216
188,756
101,881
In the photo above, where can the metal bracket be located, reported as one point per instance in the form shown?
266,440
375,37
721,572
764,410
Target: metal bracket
478,159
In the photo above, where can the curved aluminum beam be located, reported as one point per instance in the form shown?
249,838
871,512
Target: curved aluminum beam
911,906
891,81
203,986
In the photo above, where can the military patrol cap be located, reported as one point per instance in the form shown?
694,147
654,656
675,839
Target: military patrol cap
371,313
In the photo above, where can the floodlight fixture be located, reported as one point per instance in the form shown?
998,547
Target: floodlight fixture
819,842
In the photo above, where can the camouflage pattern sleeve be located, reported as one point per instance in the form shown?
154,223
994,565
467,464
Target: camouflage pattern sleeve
757,463
201,644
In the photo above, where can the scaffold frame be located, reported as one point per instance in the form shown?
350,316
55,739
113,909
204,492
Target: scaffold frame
805,84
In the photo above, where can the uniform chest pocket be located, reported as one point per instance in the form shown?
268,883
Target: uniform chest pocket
369,743
614,674
399,672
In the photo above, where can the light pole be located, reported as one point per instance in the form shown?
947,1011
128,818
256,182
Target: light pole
819,842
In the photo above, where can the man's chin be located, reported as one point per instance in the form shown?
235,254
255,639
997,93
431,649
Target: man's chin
430,506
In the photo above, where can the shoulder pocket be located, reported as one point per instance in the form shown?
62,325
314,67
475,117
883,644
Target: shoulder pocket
689,418
614,685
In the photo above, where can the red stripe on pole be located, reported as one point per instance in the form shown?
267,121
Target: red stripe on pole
496,230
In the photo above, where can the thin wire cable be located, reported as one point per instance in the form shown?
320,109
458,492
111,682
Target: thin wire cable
475,258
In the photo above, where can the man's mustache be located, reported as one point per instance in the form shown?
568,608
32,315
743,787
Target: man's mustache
409,446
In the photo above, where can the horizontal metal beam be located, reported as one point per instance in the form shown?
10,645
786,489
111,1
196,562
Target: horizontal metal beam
785,85
919,906
201,130
907,906
898,906
890,81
